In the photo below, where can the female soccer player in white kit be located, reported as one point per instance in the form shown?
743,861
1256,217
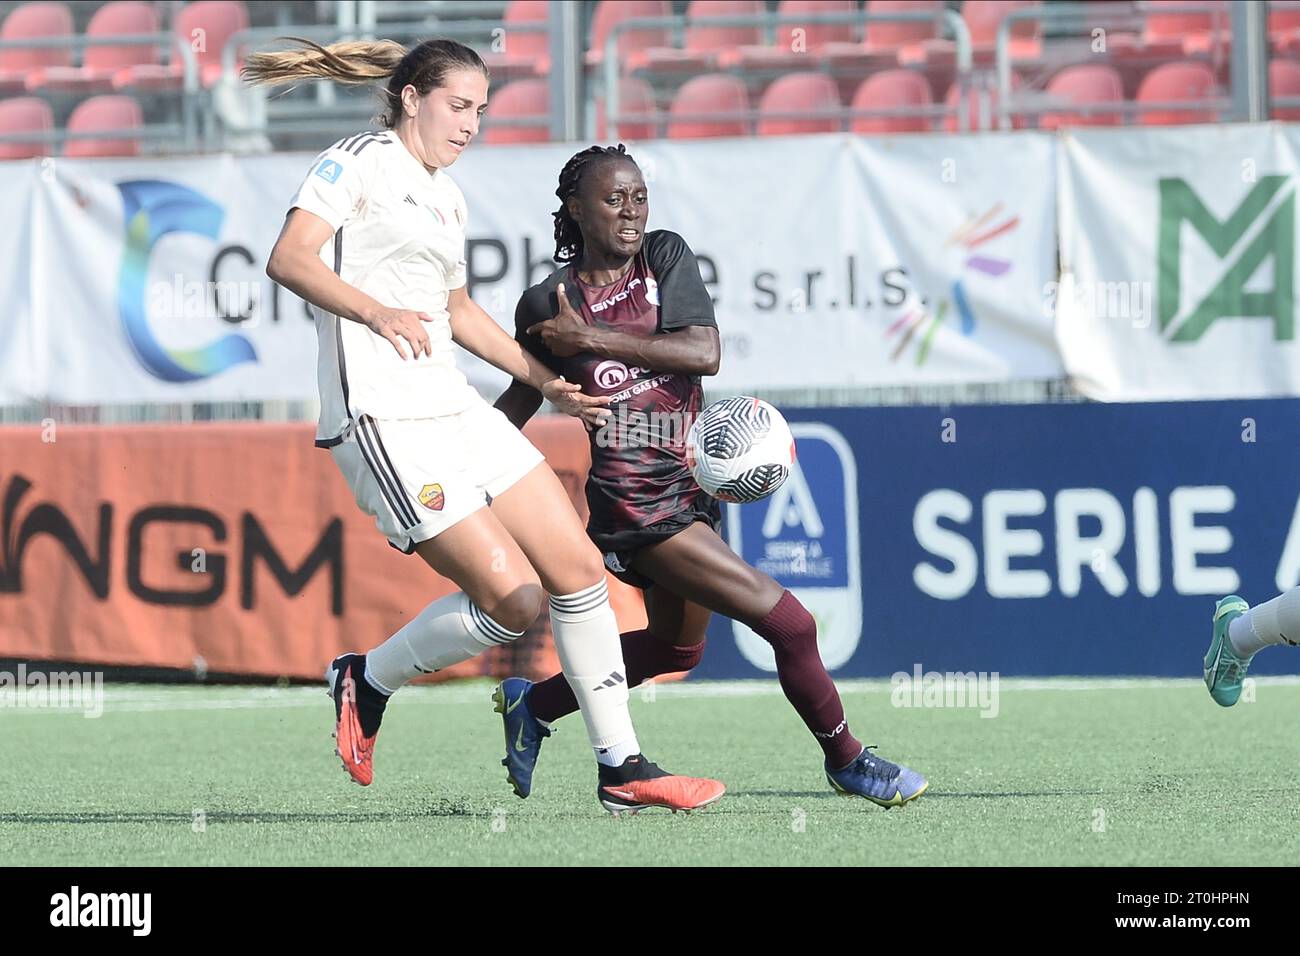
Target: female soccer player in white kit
375,241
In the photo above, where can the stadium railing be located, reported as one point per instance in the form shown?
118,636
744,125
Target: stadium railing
1281,102
184,133
955,25
1081,19
326,115
381,11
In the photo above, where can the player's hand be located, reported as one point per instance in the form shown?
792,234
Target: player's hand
402,327
566,334
568,398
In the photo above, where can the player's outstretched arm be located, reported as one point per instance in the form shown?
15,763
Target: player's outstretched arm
476,331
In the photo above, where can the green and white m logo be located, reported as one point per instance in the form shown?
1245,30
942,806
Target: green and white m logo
1262,226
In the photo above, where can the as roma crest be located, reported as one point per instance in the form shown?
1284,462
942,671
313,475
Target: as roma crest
431,497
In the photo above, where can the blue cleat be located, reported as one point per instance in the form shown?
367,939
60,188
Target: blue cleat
1224,668
524,733
881,782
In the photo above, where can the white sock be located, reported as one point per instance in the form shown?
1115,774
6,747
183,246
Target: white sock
450,630
591,656
1273,622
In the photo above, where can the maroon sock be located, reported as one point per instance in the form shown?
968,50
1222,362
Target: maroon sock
644,656
792,632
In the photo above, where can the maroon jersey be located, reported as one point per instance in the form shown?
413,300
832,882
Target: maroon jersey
638,473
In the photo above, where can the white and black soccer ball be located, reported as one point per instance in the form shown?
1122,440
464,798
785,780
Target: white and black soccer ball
740,449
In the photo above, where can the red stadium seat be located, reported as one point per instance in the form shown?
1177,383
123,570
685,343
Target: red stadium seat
794,41
1209,30
973,107
1284,81
983,17
1284,28
1179,27
1175,33
1178,83
815,35
1084,85
1283,20
102,62
705,44
697,108
204,27
702,37
103,113
33,21
799,93
886,40
25,114
631,43
636,106
522,99
890,37
892,90
527,52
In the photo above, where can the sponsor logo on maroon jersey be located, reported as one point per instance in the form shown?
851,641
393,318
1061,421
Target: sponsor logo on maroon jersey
612,374
613,300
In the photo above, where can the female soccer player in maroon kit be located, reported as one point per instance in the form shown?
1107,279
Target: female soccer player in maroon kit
628,317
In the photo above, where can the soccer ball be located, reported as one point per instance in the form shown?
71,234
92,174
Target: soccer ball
740,449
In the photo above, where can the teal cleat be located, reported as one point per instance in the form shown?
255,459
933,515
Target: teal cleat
1224,667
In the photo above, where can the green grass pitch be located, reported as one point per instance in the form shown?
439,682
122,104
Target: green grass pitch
1068,772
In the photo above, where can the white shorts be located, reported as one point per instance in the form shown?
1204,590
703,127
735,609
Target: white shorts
418,477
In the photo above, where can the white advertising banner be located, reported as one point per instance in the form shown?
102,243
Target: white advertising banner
970,219
1178,262
19,337
833,261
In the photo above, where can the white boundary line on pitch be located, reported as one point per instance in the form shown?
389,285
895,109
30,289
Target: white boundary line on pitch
140,698
757,688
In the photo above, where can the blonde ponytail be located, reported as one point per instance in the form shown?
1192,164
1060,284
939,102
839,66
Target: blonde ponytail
351,62
425,67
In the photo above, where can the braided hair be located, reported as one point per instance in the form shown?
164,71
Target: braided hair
568,237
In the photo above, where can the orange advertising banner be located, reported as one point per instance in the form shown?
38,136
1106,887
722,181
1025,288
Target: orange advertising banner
219,548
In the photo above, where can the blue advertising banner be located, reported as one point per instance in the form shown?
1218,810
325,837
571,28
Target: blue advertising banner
1033,540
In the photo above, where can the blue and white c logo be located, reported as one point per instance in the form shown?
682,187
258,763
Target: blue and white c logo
152,209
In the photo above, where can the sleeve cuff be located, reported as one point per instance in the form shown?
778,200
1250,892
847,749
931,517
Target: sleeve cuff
320,209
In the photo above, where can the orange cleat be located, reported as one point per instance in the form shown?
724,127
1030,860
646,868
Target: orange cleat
353,747
639,784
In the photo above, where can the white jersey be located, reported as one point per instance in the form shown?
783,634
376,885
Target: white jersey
399,236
